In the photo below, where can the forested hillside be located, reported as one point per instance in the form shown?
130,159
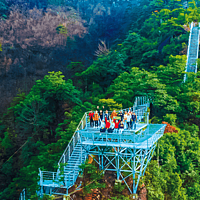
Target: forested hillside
59,62
42,36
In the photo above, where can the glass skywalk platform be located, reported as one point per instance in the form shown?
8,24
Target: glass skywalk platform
143,137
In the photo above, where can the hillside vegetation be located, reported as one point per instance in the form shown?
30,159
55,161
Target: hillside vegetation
150,60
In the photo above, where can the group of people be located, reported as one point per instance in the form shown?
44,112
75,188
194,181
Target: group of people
116,122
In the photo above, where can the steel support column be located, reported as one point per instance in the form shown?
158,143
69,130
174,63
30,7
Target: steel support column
124,160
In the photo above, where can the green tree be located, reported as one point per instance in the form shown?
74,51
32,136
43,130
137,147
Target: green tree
91,177
110,104
41,105
105,69
193,12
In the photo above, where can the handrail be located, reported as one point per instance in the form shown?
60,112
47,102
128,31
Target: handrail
197,49
160,132
72,138
141,100
105,137
48,175
188,50
23,195
124,137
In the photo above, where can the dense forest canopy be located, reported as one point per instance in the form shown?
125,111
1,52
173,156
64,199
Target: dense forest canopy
60,59
41,36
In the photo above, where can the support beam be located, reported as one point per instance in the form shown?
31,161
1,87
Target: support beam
125,162
158,153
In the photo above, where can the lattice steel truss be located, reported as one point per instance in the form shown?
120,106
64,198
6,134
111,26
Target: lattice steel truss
126,162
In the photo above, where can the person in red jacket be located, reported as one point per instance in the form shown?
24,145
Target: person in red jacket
116,124
107,124
91,116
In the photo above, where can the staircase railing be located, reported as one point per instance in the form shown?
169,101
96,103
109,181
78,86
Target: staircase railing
23,195
52,176
141,101
197,48
188,49
74,140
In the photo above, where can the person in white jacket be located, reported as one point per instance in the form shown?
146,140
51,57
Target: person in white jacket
129,120
102,124
112,127
125,120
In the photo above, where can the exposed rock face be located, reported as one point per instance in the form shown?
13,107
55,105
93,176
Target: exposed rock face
169,128
143,194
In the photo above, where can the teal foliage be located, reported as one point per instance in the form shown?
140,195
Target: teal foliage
3,9
56,2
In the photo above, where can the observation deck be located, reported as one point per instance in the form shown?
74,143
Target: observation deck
127,150
144,136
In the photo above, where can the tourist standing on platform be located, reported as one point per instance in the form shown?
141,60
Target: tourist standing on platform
107,116
100,112
121,115
130,111
102,109
101,115
91,117
134,120
129,120
114,114
121,127
125,120
96,118
103,124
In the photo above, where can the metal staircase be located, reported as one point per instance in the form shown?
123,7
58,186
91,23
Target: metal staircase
69,163
193,49
74,162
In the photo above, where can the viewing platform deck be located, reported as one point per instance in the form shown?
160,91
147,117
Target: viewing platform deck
143,137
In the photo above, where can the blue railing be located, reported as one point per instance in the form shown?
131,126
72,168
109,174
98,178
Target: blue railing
149,133
189,51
